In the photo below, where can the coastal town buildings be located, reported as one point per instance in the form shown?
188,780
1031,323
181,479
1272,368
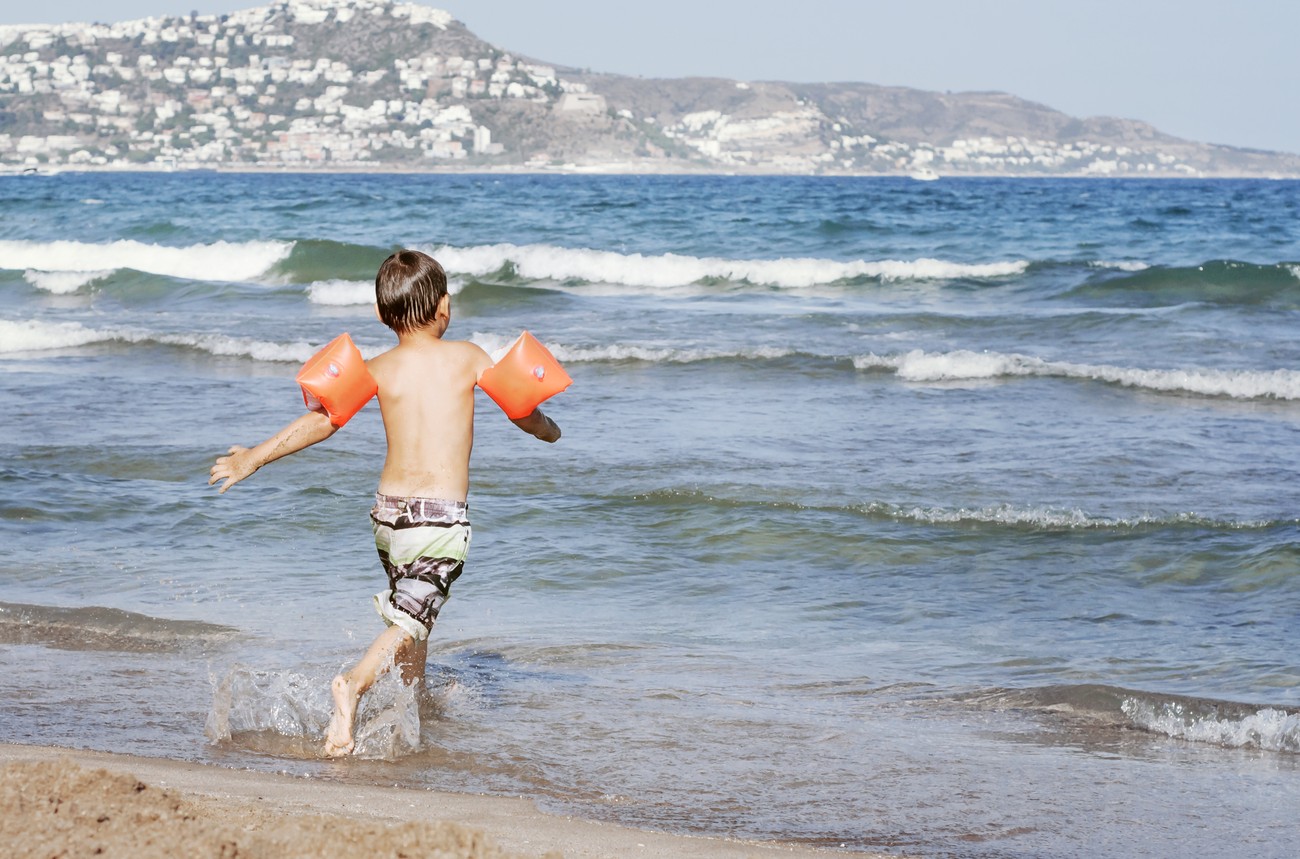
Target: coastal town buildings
366,84
213,90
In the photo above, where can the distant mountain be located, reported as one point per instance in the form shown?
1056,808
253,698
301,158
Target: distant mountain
372,84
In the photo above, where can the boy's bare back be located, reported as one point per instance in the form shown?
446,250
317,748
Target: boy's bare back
426,395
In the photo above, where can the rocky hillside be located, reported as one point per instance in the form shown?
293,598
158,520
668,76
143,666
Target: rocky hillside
366,84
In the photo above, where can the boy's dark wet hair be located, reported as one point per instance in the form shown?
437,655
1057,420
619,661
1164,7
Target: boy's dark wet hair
408,288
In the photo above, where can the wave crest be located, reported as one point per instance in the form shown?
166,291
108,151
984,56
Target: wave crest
964,365
1228,724
547,262
62,282
1267,728
219,261
110,629
38,336
1225,283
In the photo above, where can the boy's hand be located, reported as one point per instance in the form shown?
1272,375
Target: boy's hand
540,426
234,467
240,462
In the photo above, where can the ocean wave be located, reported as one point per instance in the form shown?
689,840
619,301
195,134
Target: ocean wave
1226,283
1040,517
63,282
347,293
39,336
1120,265
617,352
219,261
964,365
36,336
550,263
341,293
994,516
1266,728
312,260
97,628
1228,724
1050,518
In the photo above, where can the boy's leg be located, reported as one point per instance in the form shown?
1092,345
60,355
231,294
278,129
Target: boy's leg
411,661
392,646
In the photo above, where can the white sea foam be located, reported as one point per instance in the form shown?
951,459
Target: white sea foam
34,335
340,293
547,262
1002,514
62,282
494,343
1268,728
963,365
219,261
345,293
1121,265
40,336
234,347
1042,516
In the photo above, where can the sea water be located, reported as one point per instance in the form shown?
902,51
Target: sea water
954,518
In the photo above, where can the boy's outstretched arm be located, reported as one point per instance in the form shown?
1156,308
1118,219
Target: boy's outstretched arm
539,425
240,462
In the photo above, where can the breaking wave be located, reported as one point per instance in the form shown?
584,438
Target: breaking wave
993,517
1229,283
1045,518
614,352
109,629
913,366
349,293
62,282
547,262
1228,724
56,266
38,336
964,365
1266,728
341,293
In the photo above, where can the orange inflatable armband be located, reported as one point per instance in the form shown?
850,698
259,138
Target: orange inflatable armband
336,382
525,376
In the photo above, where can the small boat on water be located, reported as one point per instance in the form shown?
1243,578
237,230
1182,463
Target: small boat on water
924,174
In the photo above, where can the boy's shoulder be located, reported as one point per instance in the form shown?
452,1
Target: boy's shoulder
463,352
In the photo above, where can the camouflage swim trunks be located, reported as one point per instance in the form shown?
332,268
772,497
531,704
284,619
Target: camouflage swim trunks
422,543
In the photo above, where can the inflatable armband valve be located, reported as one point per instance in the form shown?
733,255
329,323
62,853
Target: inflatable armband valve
336,382
522,378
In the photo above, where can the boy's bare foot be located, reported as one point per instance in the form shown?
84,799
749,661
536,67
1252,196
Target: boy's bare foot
338,738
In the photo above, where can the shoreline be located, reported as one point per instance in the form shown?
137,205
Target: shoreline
622,171
238,806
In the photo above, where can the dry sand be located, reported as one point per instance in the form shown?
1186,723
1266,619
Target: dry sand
72,803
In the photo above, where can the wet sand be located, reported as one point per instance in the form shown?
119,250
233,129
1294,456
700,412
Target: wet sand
64,802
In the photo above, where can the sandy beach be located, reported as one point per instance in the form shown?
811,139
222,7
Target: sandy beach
66,802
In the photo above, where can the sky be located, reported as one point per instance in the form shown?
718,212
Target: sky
1205,70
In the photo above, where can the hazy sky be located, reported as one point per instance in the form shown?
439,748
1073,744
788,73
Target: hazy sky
1207,70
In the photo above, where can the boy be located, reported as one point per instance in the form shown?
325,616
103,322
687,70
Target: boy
426,396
